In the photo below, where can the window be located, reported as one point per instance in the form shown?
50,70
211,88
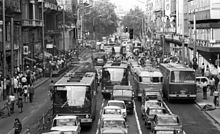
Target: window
182,76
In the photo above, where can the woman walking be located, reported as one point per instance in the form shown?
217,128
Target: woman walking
17,126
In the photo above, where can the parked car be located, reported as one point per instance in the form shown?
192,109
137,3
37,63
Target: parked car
113,124
120,104
199,81
67,123
126,94
151,112
149,103
166,121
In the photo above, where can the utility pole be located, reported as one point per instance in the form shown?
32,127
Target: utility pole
64,29
195,33
12,55
4,50
43,46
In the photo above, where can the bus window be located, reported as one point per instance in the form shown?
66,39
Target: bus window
182,76
156,79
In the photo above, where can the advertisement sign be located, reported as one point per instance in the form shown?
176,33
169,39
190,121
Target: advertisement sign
167,7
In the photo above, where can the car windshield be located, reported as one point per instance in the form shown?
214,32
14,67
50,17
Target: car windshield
164,132
155,111
112,111
114,123
119,104
64,122
167,120
152,103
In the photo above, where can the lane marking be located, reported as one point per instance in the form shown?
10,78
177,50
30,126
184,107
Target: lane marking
165,105
100,114
137,120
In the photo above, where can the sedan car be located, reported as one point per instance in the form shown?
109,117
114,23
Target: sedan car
120,104
151,112
149,103
109,110
66,123
166,121
199,81
113,124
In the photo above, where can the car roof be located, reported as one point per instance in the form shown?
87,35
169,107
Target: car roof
156,107
122,87
65,117
120,101
113,117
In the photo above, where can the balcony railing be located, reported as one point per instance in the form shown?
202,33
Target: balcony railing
32,23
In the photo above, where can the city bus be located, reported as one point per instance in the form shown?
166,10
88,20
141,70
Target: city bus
179,81
113,73
147,77
75,94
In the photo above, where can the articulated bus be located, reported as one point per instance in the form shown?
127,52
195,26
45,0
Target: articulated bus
179,81
113,73
75,94
147,77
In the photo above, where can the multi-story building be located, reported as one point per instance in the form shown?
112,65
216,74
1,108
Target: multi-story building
32,25
12,15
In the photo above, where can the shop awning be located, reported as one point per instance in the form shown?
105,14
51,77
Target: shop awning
29,59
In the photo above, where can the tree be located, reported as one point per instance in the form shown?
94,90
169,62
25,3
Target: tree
133,20
104,17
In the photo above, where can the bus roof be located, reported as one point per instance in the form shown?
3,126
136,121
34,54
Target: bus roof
113,64
77,79
176,67
148,71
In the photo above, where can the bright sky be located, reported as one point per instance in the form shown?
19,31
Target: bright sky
126,5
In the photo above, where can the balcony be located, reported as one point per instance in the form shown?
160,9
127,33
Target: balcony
32,23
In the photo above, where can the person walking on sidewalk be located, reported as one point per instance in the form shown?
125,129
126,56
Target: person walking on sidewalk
216,82
31,93
212,85
202,69
215,98
204,86
17,126
11,99
25,93
20,104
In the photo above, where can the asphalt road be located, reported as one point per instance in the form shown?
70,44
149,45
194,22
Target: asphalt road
194,120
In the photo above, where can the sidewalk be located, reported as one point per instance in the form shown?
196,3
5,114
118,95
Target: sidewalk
213,114
36,84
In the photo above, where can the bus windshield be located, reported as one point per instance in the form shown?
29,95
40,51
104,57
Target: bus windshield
151,79
114,74
73,96
182,77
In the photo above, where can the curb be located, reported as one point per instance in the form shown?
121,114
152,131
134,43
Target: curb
207,113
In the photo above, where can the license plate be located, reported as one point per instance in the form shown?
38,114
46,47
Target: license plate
182,95
86,120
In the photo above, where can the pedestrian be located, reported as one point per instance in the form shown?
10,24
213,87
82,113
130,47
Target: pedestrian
12,102
212,85
25,93
23,80
51,89
204,86
216,82
20,104
215,98
17,126
15,84
31,93
7,106
207,71
203,69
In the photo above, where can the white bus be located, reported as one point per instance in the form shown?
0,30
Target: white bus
146,77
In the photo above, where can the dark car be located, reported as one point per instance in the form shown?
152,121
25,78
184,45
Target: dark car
125,93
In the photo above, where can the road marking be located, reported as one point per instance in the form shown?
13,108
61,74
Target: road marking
165,105
137,120
100,114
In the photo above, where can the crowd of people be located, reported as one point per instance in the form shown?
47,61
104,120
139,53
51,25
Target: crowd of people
18,90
